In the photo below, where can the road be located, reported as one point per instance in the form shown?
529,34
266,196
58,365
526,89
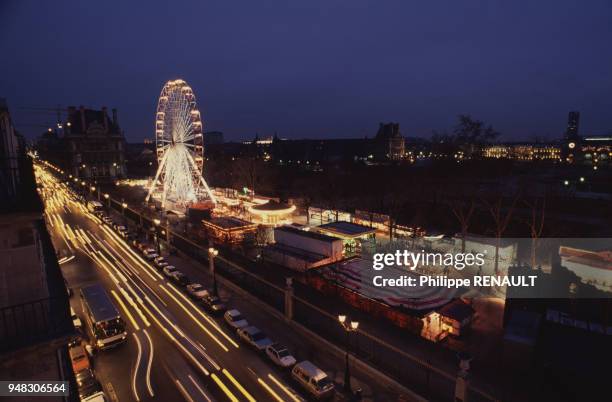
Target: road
174,349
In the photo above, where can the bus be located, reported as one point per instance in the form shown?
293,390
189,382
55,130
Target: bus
103,319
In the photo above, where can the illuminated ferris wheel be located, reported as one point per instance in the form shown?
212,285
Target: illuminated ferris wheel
180,148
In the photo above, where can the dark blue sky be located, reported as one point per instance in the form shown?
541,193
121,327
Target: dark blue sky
316,68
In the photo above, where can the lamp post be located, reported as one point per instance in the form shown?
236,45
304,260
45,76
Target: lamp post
212,253
348,328
107,200
157,222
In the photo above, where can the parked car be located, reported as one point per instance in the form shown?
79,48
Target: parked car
313,380
213,304
160,262
180,278
107,220
254,337
87,384
76,321
234,319
123,231
197,291
150,254
68,288
280,355
78,357
99,396
169,270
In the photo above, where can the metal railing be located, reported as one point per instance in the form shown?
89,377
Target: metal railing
32,322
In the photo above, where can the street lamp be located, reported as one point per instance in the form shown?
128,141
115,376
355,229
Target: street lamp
212,253
348,328
157,222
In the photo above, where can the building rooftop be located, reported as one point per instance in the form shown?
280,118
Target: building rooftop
298,253
271,206
347,229
307,233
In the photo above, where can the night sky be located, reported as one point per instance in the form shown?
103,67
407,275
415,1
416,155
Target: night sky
315,68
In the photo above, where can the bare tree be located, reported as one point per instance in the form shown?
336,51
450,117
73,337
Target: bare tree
463,211
536,224
501,219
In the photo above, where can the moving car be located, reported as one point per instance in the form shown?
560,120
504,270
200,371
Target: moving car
313,380
213,304
280,355
234,319
169,270
76,321
254,337
197,291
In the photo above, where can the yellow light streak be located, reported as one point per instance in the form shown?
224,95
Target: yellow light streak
226,390
270,390
132,320
137,364
211,322
281,386
194,318
149,363
199,387
238,385
183,391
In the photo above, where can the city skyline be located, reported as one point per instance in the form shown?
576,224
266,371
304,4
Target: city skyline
323,73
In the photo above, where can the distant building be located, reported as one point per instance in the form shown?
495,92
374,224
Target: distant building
391,139
35,322
572,144
91,145
573,122
523,151
9,145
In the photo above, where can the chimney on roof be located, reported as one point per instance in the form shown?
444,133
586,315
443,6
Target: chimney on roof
83,124
104,119
115,123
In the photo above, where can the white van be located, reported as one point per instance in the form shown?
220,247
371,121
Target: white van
95,206
313,379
